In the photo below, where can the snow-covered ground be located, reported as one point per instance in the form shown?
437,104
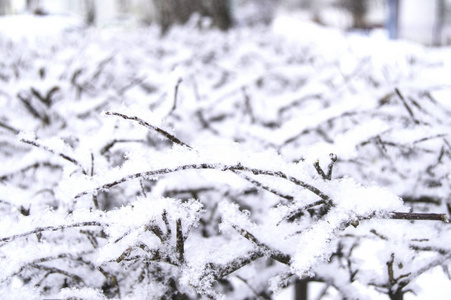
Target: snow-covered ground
276,98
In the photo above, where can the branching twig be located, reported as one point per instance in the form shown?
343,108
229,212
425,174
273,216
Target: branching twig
108,146
296,213
219,167
59,271
274,254
178,142
328,176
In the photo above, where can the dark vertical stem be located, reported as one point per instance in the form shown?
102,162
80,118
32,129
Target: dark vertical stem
300,290
180,241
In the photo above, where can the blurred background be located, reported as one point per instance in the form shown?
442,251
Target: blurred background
424,21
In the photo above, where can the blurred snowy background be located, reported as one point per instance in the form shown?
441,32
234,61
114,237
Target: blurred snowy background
367,80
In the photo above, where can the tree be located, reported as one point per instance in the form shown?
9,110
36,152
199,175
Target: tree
169,172
175,11
4,7
90,11
358,10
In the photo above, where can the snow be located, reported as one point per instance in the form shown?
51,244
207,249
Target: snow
29,27
90,186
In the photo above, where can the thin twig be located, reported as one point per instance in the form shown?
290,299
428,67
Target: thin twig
409,110
204,166
265,187
419,216
149,126
59,271
299,211
94,196
319,170
62,155
180,244
274,254
177,141
176,91
333,160
8,127
164,216
33,166
51,228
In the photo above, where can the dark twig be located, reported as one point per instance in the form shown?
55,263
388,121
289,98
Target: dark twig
143,190
47,99
33,166
274,254
7,127
51,228
429,138
409,110
296,213
64,156
419,216
236,264
248,106
108,146
164,216
176,91
59,271
180,244
177,141
94,196
333,160
328,176
219,167
265,187
27,102
149,126
319,170
257,295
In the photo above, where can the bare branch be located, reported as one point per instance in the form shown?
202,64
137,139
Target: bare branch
180,246
274,254
51,228
108,146
419,216
150,126
219,167
10,128
298,212
33,166
409,110
62,155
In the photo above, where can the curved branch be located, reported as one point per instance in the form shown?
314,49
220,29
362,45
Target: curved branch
179,142
64,156
149,126
204,166
51,228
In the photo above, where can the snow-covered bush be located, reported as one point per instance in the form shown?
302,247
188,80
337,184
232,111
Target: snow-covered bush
204,164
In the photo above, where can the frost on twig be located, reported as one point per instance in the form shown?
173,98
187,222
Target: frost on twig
149,126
